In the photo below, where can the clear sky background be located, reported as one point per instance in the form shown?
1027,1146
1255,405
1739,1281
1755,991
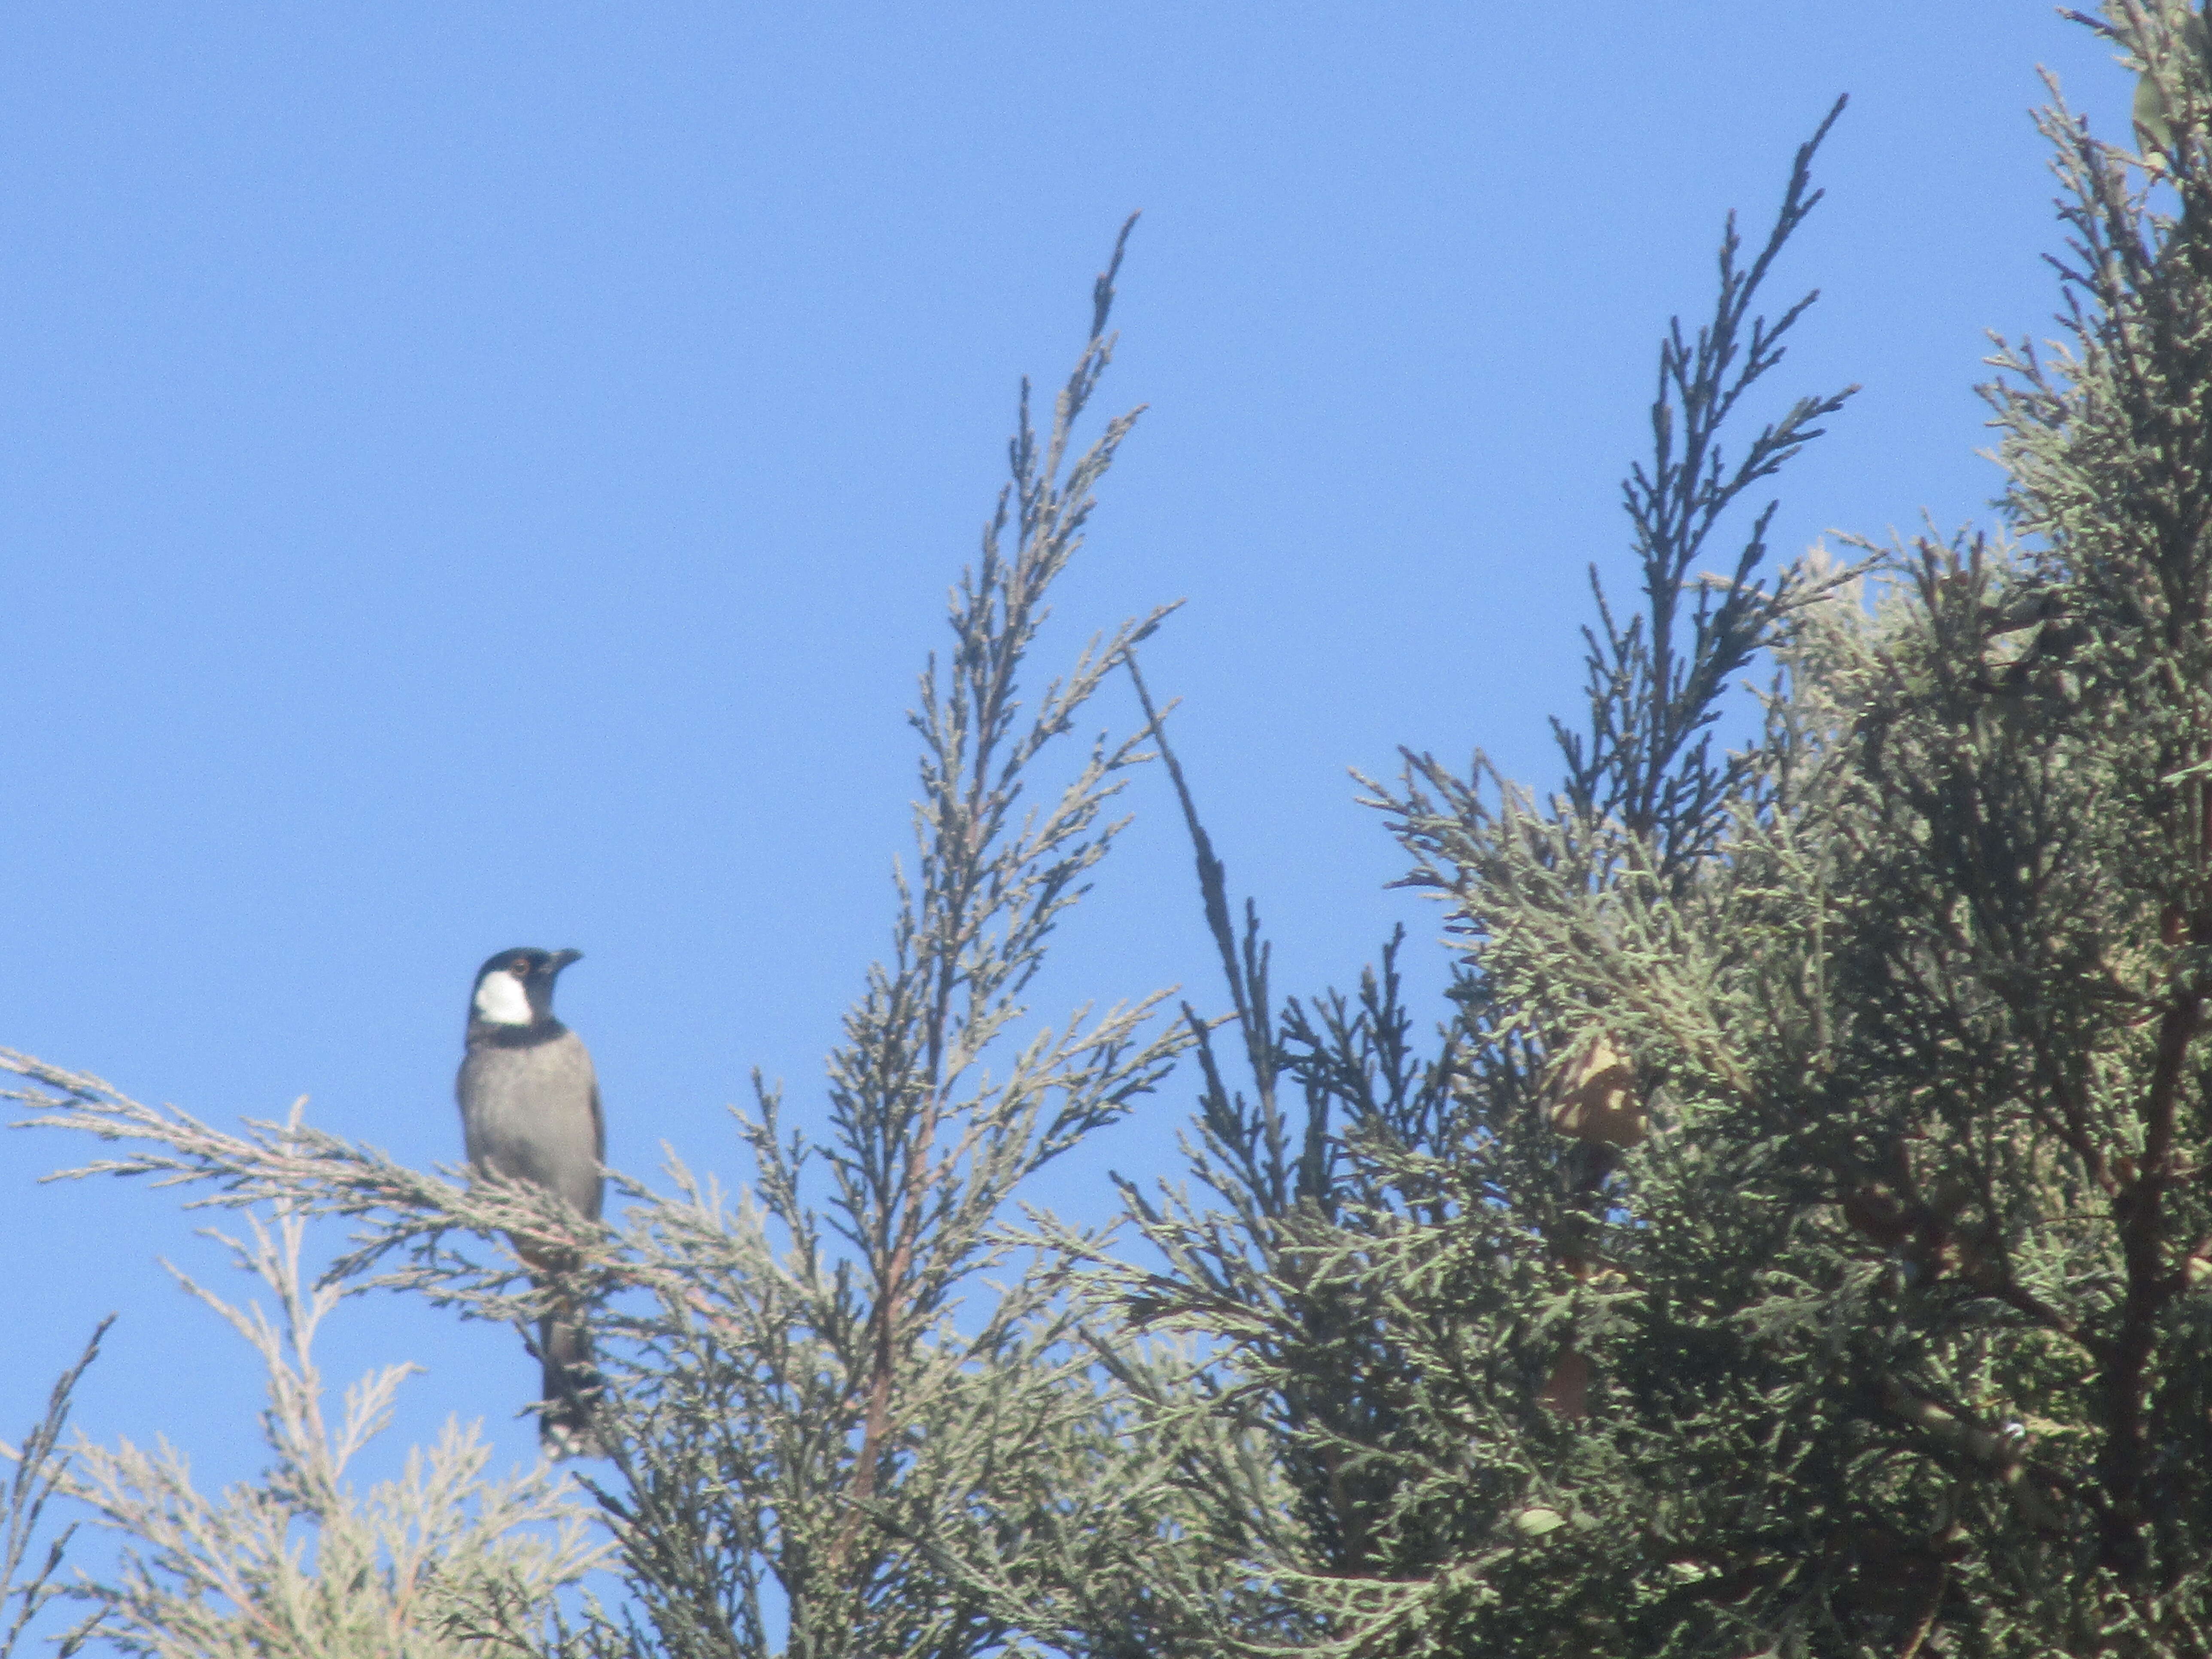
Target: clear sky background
486,475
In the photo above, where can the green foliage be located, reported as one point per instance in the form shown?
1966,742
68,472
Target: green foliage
443,1561
815,1395
1806,1258
840,1409
1798,1240
40,1468
1400,1276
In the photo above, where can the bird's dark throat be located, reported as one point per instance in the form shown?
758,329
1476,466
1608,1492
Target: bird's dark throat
483,1034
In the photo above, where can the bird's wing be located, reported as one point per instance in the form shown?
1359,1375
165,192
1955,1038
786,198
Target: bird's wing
598,1125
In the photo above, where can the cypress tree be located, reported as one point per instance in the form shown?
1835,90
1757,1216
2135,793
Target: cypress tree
1799,1242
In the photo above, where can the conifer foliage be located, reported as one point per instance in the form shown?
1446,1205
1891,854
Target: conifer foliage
840,1424
1797,1240
1808,1253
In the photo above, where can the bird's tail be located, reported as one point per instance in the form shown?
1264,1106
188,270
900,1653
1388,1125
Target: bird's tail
565,1425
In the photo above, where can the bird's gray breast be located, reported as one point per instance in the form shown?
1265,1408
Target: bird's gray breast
527,1115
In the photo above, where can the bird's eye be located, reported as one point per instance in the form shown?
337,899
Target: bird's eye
520,969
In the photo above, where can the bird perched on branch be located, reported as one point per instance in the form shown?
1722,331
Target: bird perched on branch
530,1112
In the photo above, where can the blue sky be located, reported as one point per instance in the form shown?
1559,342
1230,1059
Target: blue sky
489,475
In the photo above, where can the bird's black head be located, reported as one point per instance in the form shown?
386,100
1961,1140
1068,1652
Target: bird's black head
515,988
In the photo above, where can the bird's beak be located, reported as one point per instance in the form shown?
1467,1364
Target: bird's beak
563,958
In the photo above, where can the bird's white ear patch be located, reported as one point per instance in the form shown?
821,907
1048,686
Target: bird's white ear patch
501,1000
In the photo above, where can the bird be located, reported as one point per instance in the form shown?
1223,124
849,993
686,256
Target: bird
530,1112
